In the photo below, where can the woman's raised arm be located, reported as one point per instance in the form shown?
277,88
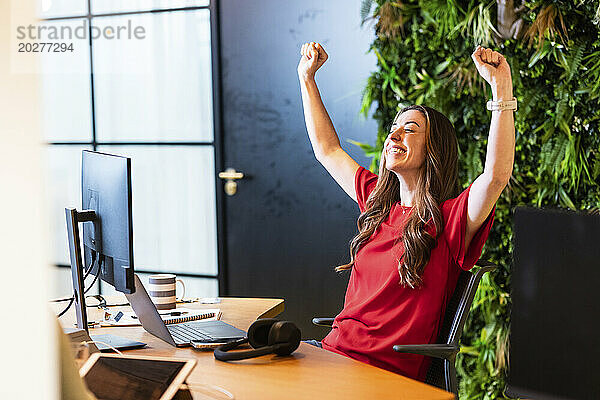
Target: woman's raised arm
324,139
499,159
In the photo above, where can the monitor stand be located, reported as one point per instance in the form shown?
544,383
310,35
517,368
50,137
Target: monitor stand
75,217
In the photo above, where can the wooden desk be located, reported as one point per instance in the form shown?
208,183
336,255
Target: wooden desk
309,373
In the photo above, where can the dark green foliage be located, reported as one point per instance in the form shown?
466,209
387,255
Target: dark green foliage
424,57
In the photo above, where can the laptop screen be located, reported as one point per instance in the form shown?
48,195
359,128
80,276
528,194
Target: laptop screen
555,322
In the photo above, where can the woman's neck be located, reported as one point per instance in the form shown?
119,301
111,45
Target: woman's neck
408,188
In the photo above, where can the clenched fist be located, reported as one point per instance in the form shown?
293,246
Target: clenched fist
494,68
313,56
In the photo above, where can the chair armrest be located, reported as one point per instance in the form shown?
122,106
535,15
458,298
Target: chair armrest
328,322
444,351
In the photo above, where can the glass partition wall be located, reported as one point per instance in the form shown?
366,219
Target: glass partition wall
138,83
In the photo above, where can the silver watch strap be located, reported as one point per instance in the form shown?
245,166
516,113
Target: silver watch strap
502,105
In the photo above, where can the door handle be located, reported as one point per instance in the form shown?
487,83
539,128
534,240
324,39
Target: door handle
230,175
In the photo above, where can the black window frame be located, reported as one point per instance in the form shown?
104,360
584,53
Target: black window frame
216,143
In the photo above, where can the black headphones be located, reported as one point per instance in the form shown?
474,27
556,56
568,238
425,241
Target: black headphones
266,336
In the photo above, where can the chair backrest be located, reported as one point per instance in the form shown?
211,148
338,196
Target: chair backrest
458,307
455,316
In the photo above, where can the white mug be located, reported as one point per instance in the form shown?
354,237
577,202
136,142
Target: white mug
162,289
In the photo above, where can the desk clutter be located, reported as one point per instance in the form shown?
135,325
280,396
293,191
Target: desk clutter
212,379
174,316
161,378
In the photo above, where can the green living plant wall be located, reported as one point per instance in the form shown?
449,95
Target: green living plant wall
424,51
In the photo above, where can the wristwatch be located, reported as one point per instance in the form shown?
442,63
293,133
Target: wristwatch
502,105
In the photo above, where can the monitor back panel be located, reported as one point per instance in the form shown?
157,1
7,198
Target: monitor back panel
555,322
106,189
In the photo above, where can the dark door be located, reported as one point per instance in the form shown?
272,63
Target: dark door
289,223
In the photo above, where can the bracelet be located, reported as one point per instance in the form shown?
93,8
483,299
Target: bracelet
502,105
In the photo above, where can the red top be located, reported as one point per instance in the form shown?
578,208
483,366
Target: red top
379,313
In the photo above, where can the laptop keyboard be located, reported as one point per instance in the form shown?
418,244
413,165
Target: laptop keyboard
183,333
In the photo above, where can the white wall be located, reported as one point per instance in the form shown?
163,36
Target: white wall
28,368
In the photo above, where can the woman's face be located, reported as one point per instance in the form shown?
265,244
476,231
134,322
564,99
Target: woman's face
405,145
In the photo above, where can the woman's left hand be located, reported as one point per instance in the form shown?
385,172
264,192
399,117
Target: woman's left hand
494,68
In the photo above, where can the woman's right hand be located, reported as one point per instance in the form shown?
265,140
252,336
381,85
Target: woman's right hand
313,57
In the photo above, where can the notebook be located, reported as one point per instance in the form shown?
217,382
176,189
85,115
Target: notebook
129,318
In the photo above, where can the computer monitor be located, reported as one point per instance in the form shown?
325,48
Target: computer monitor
555,320
106,189
107,227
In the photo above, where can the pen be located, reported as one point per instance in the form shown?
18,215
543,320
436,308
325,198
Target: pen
174,313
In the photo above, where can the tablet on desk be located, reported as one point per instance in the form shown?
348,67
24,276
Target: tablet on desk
116,377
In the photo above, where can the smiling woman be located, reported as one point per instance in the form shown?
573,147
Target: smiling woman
405,145
416,232
418,170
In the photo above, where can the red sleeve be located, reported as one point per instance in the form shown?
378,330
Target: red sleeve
364,183
454,212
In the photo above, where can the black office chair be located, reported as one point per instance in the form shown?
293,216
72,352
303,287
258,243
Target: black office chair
442,372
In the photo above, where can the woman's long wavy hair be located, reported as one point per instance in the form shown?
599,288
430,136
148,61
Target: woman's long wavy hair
437,182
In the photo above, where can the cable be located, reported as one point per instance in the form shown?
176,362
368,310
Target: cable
61,300
92,284
106,344
85,275
118,305
196,387
89,270
60,314
102,302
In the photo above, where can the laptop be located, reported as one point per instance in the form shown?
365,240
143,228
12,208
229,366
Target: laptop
179,335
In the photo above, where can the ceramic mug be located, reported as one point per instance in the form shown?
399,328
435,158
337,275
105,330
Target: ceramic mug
162,290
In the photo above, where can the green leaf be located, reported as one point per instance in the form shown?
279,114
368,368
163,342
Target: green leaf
566,200
560,109
540,54
441,67
381,60
367,148
365,10
575,61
